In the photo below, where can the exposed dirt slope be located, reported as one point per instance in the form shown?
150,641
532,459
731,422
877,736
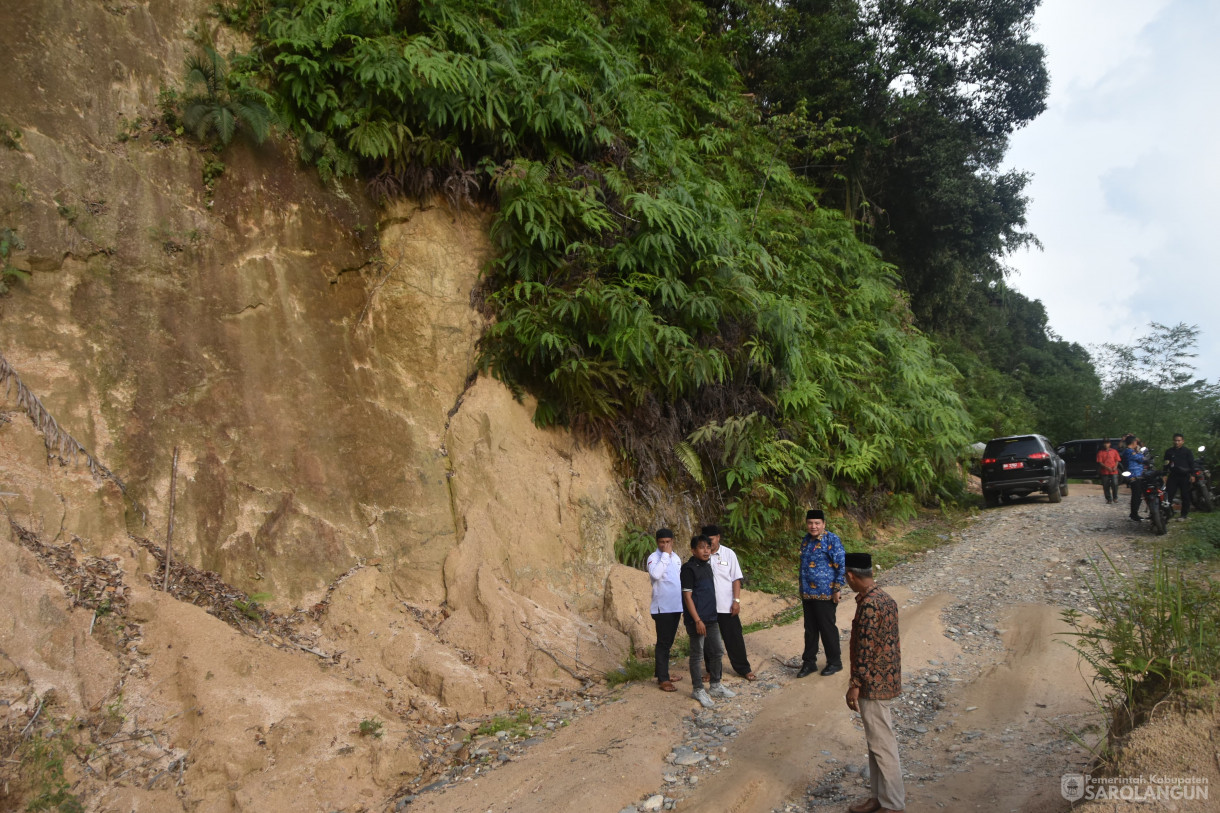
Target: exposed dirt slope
311,356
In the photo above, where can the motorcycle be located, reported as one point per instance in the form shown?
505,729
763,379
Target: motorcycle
1155,498
1200,490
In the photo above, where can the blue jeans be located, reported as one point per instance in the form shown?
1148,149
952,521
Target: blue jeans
714,650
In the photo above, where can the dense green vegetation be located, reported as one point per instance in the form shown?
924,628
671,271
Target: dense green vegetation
1154,635
663,277
759,248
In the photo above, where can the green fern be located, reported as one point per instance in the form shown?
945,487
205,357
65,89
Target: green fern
9,242
689,459
661,277
218,109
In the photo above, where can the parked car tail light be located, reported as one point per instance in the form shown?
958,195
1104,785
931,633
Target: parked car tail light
987,460
1039,456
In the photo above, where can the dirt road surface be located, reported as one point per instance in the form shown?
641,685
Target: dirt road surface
995,707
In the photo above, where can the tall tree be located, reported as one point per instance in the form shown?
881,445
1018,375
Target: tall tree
1151,387
929,93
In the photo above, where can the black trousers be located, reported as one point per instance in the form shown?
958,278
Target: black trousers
820,622
1109,486
734,643
1179,482
667,628
1137,494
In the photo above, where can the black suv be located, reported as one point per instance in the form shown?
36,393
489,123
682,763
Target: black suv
1019,465
1080,456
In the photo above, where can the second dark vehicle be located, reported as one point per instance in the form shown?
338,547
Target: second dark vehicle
1019,465
1080,456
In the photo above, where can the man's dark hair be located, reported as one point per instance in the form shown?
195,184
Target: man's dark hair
1177,435
697,538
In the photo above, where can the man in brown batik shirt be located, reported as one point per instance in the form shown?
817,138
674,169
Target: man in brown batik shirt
876,679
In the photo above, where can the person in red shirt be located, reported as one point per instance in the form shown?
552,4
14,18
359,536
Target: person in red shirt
1108,461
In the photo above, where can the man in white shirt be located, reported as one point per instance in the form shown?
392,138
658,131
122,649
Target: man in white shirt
728,602
665,569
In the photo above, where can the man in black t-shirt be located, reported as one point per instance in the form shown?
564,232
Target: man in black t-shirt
699,599
1179,473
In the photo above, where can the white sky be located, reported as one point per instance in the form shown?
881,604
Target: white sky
1125,161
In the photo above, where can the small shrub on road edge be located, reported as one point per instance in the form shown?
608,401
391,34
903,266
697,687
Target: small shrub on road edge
1155,634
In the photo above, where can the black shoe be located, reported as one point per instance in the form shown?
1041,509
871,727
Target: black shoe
807,669
831,668
1136,519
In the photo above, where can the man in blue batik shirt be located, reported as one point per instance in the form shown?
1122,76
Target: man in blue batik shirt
821,581
1134,460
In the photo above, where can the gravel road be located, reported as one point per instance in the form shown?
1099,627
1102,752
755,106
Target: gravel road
995,708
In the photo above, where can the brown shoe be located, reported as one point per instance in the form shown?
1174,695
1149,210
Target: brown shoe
751,676
668,686
675,678
865,806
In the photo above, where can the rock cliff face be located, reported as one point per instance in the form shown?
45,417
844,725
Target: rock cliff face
313,358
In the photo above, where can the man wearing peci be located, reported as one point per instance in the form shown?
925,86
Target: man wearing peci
821,582
728,603
876,679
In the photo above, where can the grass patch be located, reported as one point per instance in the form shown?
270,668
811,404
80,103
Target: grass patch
898,550
518,725
1197,540
1155,635
42,766
771,570
632,669
787,616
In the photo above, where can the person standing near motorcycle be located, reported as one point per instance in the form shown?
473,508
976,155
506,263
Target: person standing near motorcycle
1107,464
1133,462
1179,473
